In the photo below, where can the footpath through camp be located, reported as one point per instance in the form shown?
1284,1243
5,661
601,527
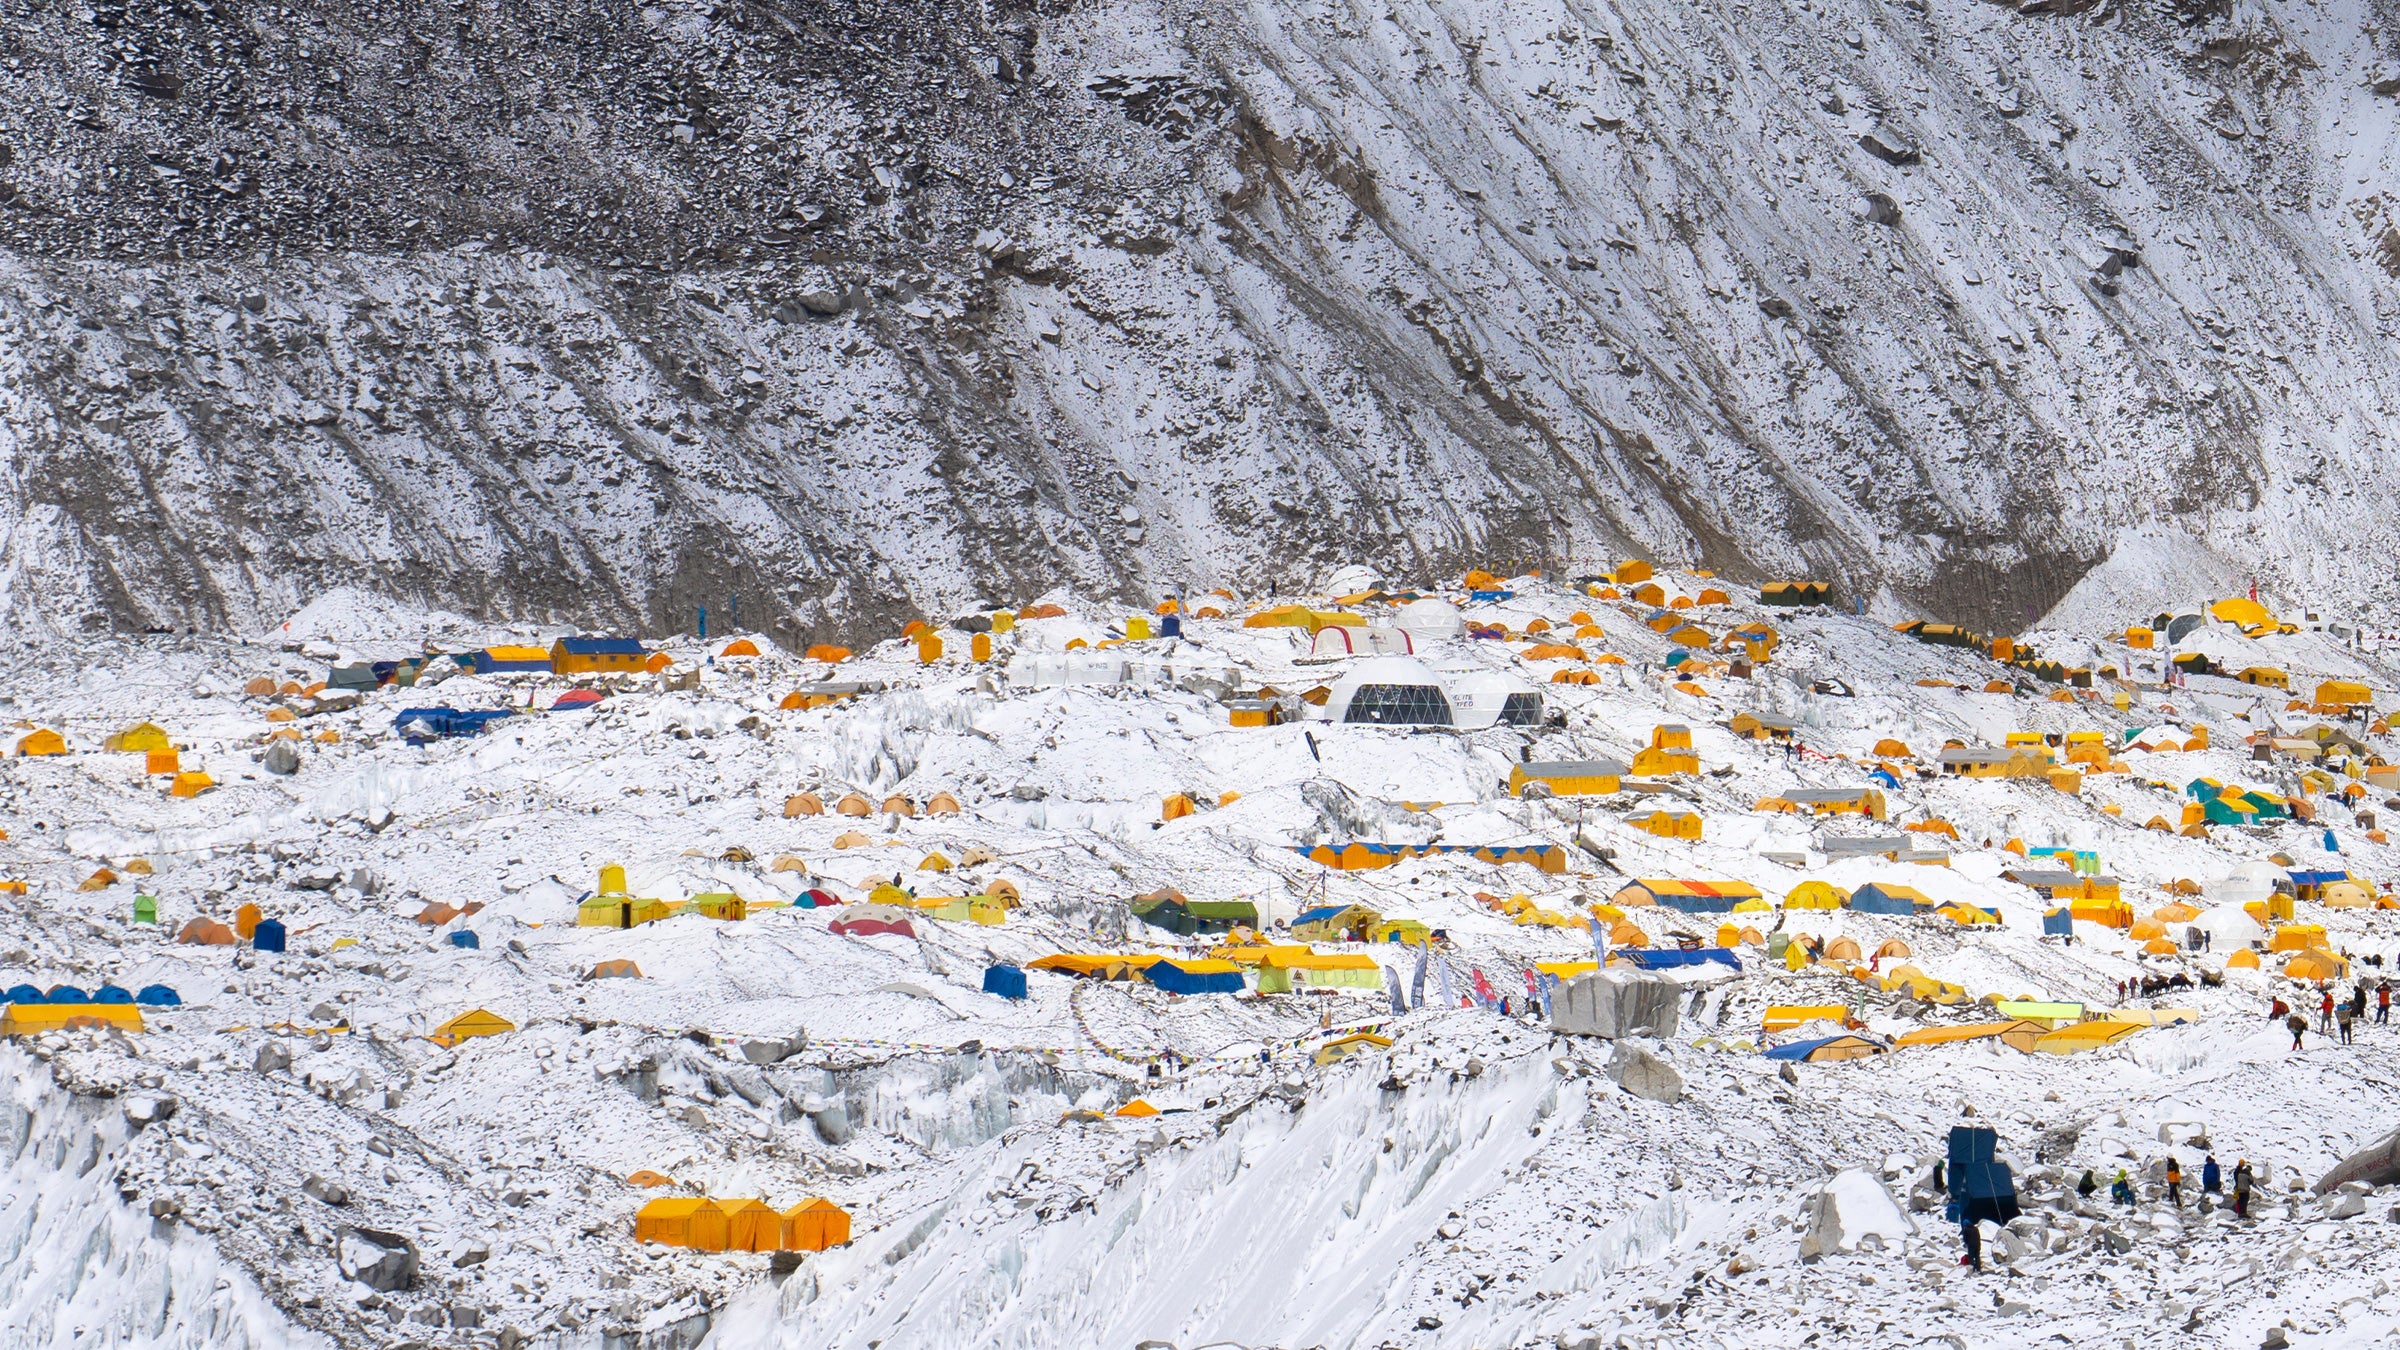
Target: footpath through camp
1626,959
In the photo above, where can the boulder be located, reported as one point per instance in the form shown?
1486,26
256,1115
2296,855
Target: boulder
1616,1004
281,759
1848,1210
1644,1074
384,1262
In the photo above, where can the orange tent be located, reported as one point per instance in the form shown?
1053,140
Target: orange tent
803,804
740,647
206,932
826,651
814,1225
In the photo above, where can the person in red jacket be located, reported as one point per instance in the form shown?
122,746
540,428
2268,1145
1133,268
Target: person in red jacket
2383,1001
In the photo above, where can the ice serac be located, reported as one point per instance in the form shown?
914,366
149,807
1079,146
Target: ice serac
80,1263
1616,1003
607,312
2378,1164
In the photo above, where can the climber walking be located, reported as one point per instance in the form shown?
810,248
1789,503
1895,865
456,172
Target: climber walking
2212,1177
2298,1024
1979,1186
2174,1181
2383,1002
2241,1189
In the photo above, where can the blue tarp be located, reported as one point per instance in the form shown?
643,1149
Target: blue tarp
1491,597
467,939
268,936
2058,923
602,646
1320,912
1006,981
1176,980
2318,878
1700,904
1644,958
158,996
425,724
1879,776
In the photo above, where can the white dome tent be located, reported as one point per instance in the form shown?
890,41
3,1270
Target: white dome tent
1376,640
1403,691
1430,620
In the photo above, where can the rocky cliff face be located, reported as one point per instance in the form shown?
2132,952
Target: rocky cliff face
603,312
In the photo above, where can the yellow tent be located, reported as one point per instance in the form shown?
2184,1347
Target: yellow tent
1815,895
2244,959
468,1025
1785,1016
1175,807
2343,693
140,738
2243,612
27,1019
2077,1037
190,784
2297,937
1136,1107
2316,965
43,742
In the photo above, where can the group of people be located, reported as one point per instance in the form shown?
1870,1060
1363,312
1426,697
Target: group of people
2335,1017
2212,1182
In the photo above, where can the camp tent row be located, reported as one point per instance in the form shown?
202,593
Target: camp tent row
1359,856
741,1225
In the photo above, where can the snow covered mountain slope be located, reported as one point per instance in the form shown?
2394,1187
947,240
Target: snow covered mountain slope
605,312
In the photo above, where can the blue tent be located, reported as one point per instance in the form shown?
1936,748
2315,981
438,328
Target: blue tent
268,936
2058,923
158,996
67,993
1806,1050
1873,899
1006,981
25,993
424,724
816,898
467,939
109,993
1171,626
1490,597
1175,979
1647,958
